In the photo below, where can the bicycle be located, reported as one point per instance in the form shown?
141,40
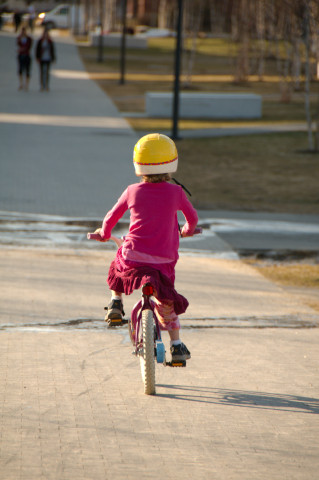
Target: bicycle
144,330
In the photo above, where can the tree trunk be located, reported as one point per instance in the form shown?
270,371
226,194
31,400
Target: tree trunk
243,34
261,37
162,14
196,26
307,72
296,68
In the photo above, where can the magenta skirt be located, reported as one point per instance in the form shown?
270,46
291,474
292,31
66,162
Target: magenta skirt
130,278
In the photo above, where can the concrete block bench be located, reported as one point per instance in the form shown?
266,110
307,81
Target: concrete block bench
204,105
115,40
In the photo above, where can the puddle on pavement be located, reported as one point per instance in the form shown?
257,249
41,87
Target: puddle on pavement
290,322
52,231
24,230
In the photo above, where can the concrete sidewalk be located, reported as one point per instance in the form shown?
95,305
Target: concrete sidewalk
72,406
71,398
65,152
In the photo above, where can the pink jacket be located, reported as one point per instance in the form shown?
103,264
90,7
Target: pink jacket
153,235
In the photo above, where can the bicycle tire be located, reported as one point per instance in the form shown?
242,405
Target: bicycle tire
147,360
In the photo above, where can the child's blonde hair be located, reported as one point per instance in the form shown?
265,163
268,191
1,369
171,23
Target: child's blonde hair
157,178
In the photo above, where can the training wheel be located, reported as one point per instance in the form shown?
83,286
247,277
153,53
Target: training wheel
160,351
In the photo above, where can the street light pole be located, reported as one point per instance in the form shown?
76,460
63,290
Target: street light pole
122,65
177,70
100,48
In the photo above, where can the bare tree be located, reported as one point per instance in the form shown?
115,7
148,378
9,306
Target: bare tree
242,21
218,11
162,14
261,30
306,34
194,21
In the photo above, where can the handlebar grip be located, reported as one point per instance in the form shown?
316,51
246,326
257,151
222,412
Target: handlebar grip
198,230
94,236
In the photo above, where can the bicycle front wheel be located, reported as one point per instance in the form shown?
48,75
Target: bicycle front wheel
147,359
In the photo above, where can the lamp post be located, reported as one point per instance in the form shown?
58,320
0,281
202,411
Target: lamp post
100,48
122,60
177,70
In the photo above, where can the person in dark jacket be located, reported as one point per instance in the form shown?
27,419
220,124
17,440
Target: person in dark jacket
45,55
24,43
17,20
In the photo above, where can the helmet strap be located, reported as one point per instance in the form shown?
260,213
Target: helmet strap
184,188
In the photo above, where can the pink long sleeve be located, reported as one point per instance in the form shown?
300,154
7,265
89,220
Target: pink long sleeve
114,215
190,215
153,235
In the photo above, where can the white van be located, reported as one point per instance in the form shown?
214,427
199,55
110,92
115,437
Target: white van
63,16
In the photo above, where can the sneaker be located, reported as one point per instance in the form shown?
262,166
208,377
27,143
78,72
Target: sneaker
115,312
180,352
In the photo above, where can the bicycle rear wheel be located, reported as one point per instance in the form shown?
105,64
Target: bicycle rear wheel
147,360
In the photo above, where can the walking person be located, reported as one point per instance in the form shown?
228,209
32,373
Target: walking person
24,43
16,20
45,54
32,16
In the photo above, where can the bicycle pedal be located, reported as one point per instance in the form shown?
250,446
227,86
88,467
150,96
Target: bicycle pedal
176,363
114,322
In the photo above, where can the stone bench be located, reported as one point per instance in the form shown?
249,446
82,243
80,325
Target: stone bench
115,40
204,105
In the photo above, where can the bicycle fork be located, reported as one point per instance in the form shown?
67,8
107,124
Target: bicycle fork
159,349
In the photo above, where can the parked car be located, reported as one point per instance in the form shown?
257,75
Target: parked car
56,18
63,16
158,32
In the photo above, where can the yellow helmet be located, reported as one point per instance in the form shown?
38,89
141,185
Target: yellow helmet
155,153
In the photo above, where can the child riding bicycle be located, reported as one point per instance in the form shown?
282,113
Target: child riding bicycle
150,249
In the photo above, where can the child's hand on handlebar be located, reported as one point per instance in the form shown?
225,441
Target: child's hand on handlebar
197,231
183,234
98,232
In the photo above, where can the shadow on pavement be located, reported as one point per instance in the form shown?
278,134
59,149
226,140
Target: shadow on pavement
219,396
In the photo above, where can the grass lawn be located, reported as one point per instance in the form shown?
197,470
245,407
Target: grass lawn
255,172
213,57
273,112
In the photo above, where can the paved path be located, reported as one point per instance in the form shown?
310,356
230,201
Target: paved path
71,402
66,151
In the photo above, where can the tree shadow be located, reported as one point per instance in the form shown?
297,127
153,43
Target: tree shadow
241,398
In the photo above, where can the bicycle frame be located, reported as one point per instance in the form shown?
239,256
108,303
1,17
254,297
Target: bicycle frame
145,304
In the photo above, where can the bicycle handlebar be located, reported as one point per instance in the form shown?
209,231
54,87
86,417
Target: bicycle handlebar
197,231
94,236
97,236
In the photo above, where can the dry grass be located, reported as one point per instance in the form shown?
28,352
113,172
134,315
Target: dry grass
256,172
214,57
301,275
313,304
273,112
